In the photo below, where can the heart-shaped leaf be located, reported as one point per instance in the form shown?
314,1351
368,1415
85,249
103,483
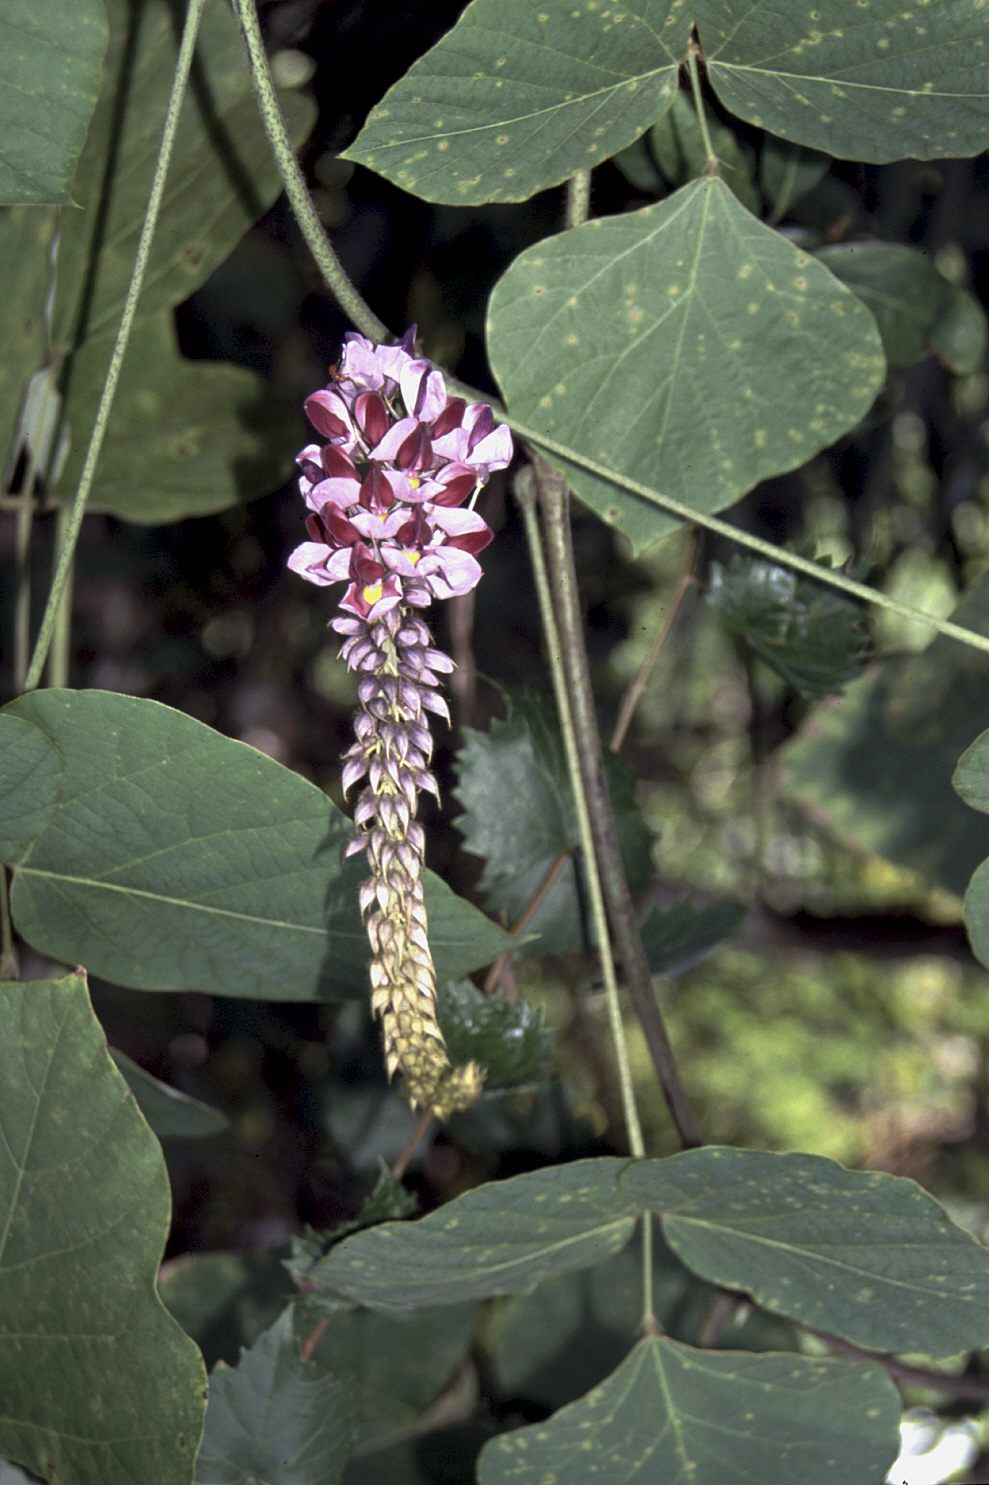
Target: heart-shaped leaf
686,346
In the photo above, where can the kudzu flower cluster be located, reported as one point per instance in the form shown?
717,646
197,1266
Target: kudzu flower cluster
386,494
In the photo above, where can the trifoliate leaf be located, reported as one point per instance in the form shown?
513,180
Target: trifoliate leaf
808,633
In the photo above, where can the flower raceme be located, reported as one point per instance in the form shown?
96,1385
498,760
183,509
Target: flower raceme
386,492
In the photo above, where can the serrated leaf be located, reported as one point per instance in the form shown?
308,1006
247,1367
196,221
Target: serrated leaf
864,82
84,1208
395,1367
686,346
676,937
515,99
496,1239
170,1113
787,172
808,633
520,817
275,1420
876,768
690,1417
509,1041
858,1254
901,286
179,859
50,59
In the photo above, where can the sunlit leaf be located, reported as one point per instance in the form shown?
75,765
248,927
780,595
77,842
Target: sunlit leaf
509,1041
496,1239
179,859
690,1417
520,818
99,1384
686,346
808,633
50,58
516,98
274,1420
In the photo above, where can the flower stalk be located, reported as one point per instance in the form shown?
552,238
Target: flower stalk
385,494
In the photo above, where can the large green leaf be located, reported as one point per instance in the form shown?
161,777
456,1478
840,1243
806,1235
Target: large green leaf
496,1239
869,1257
99,1385
516,98
685,345
689,1417
863,1255
169,1112
519,817
50,58
864,81
876,767
222,178
179,859
275,1420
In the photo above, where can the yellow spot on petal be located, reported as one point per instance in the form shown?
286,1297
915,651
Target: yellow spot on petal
371,595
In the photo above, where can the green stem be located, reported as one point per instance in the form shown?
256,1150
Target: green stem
711,167
71,536
310,226
578,198
526,486
621,911
58,658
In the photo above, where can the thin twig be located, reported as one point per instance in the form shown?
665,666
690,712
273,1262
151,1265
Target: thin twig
975,1388
532,907
637,688
401,1164
621,912
313,1339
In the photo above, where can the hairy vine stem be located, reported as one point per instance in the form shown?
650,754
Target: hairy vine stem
554,504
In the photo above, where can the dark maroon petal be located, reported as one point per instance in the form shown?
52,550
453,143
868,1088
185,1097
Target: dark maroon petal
470,541
485,424
341,532
323,420
455,491
316,529
451,417
371,417
336,464
416,451
376,494
363,568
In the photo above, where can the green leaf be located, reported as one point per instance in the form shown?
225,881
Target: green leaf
496,1239
225,1300
808,633
84,1208
865,1256
691,146
212,434
874,81
690,1417
32,772
876,768
960,337
222,178
178,859
788,172
50,59
274,1420
971,780
170,1114
515,98
901,286
26,237
396,1368
520,817
685,345
509,1041
675,938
